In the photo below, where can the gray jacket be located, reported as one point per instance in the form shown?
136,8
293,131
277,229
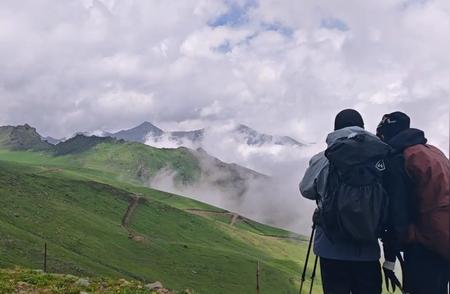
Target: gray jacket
313,187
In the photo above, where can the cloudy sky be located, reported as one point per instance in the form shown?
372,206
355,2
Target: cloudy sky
281,66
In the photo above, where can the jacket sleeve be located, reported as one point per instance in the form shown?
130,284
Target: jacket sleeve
313,181
398,186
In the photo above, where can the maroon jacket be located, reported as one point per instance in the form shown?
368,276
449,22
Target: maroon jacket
428,169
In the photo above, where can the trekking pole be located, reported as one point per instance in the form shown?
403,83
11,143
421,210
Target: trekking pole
307,258
313,276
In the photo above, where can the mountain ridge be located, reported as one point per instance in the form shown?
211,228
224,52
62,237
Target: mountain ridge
22,137
254,137
146,132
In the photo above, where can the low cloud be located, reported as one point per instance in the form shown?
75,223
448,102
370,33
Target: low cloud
275,200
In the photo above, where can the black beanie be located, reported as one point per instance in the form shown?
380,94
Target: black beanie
348,118
393,123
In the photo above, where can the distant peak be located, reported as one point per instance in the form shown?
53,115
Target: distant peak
139,133
25,126
242,126
201,150
245,129
146,123
254,137
80,134
23,137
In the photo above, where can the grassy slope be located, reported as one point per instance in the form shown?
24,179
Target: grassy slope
128,162
112,164
80,219
145,161
132,159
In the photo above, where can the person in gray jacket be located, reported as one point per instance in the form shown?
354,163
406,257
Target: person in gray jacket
346,267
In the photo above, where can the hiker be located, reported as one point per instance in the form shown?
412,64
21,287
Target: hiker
346,180
424,170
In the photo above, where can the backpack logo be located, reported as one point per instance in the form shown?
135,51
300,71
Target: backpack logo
380,165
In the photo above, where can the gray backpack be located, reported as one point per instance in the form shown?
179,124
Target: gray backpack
355,204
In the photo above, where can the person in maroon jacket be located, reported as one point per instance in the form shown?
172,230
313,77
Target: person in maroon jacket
425,241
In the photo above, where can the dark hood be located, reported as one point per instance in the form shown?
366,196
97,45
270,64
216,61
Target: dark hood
407,138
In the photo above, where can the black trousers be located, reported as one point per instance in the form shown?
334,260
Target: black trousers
425,271
355,277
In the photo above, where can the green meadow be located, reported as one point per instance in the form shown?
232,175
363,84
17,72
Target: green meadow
76,204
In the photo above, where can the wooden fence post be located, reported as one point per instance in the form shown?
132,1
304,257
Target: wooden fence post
257,278
45,257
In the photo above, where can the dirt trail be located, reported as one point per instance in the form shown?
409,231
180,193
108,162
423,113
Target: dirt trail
133,203
203,212
126,219
50,170
234,217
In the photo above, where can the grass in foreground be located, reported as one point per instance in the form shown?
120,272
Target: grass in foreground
21,280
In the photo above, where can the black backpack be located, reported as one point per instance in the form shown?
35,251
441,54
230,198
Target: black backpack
355,204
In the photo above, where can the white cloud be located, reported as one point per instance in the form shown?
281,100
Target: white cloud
125,101
391,56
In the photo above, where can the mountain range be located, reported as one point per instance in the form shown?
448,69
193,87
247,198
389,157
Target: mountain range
148,133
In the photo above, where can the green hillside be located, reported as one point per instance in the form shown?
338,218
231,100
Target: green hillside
134,161
82,215
125,161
